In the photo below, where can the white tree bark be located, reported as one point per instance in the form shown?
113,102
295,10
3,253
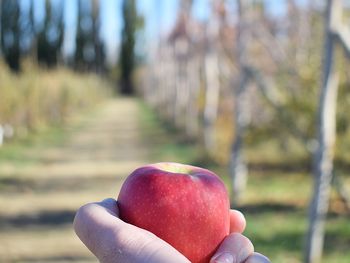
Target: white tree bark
212,73
211,100
238,167
323,159
162,75
181,89
239,171
192,119
182,53
169,83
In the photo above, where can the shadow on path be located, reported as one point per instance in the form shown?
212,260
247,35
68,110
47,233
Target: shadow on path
42,219
268,208
58,259
13,185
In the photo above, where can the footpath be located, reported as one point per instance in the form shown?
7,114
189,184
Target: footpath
38,202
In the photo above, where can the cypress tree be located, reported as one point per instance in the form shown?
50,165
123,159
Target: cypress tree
50,38
127,59
11,33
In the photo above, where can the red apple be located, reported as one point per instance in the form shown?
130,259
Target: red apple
184,205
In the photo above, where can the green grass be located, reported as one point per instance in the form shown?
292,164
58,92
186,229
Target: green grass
165,142
25,151
277,196
19,151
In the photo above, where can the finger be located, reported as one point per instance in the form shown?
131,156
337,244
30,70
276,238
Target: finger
257,258
112,240
237,221
235,248
110,205
92,222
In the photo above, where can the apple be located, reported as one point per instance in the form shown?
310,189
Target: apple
184,205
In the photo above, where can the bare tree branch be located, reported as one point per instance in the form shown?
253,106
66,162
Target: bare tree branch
266,87
341,190
343,36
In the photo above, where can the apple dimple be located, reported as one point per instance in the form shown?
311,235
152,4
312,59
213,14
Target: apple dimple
174,168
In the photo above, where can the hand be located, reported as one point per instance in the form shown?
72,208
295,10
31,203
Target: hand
112,240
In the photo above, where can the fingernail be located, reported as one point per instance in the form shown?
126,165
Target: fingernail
222,258
257,258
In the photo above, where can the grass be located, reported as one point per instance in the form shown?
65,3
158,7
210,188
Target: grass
24,151
276,199
37,98
170,144
17,150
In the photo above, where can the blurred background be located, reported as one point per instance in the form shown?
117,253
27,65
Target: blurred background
255,90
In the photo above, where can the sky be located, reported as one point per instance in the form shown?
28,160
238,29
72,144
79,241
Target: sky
159,17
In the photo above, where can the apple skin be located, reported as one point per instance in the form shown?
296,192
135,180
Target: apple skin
184,205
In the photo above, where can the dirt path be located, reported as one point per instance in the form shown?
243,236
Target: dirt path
39,202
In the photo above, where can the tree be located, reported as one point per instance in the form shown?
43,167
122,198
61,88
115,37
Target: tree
50,37
127,58
89,48
335,32
180,39
10,33
32,31
83,46
212,73
99,53
266,61
238,167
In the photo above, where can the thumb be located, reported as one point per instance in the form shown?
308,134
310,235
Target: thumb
235,248
111,240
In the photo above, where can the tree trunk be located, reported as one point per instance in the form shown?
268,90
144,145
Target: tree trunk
238,169
192,107
181,91
211,100
323,159
170,83
212,78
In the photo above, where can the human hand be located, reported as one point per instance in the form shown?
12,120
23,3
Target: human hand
112,240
